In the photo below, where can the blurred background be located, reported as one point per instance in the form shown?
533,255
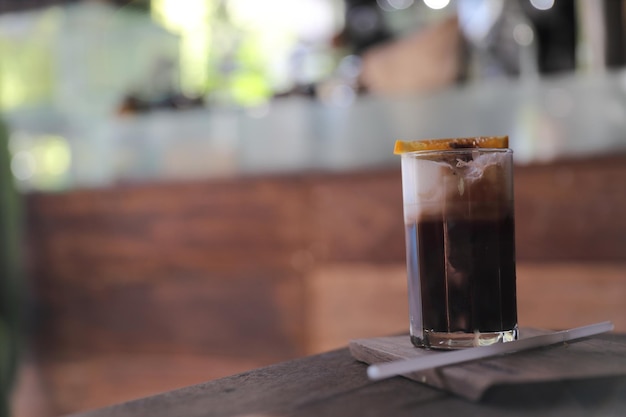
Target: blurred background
195,188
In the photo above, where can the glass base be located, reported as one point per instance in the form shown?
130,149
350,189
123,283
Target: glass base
459,340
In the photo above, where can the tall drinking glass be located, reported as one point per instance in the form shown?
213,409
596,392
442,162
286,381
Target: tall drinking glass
460,246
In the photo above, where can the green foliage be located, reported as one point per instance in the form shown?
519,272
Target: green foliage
9,276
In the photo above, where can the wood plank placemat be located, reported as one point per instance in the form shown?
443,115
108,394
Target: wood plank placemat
587,358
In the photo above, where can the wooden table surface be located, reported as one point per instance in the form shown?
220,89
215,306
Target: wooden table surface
334,384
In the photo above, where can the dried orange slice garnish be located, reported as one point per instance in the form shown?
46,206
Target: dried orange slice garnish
500,142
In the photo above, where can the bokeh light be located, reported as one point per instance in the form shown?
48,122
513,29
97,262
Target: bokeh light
542,4
436,4
192,24
41,161
54,155
392,5
23,165
523,34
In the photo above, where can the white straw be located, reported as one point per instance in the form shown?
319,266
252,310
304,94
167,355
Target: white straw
405,366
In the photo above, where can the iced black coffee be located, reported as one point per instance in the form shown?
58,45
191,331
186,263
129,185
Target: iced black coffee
460,242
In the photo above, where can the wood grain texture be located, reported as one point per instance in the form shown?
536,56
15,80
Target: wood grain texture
571,211
334,384
354,300
276,267
360,300
564,295
358,217
123,377
283,389
180,268
566,210
594,358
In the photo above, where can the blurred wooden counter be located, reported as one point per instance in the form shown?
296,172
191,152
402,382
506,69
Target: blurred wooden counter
183,282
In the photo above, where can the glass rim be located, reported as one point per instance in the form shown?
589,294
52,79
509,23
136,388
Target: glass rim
460,151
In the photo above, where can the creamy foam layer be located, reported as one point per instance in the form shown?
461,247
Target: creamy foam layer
474,185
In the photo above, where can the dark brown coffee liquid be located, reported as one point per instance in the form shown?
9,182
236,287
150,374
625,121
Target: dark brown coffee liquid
466,274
